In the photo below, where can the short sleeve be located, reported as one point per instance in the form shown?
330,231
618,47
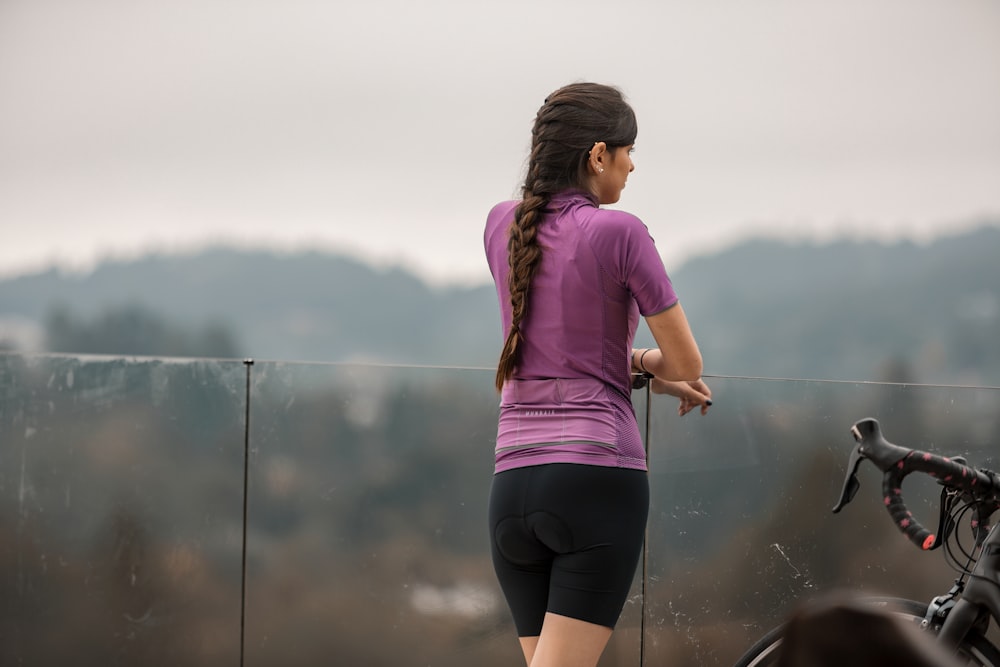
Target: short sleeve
495,237
627,252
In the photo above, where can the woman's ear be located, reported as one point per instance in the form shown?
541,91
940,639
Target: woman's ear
597,157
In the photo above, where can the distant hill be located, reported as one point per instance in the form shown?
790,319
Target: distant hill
843,310
849,310
308,306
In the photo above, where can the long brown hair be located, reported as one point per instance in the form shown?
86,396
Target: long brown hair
567,126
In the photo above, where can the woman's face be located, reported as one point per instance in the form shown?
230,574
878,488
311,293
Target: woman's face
608,184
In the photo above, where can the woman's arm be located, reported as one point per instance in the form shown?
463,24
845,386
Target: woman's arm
678,372
676,356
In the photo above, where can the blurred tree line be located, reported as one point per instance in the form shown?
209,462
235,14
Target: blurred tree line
845,310
135,329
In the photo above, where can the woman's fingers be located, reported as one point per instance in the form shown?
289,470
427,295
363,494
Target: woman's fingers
691,394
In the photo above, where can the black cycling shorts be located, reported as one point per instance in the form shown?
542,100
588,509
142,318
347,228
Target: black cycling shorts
566,539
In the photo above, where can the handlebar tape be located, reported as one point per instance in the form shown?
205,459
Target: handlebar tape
946,471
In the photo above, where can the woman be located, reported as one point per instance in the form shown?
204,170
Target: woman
570,496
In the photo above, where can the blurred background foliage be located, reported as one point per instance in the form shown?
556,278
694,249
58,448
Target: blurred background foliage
121,512
121,476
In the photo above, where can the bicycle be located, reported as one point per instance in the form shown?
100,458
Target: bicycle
960,618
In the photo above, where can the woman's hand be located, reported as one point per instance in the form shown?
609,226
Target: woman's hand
691,394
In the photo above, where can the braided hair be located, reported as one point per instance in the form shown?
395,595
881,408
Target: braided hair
567,126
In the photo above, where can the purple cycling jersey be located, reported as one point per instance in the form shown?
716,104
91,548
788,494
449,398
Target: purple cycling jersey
569,400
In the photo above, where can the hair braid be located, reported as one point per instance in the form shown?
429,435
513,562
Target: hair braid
570,121
523,256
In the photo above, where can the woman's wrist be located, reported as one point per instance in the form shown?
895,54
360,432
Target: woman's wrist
642,361
639,360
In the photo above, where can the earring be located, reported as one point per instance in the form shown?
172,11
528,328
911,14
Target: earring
600,170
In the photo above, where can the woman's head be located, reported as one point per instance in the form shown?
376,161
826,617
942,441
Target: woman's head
581,139
579,133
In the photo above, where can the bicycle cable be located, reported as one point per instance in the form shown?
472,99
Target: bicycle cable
957,515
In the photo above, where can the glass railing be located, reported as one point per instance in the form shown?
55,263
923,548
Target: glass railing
193,512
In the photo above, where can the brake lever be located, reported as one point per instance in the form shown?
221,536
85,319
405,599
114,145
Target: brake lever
851,483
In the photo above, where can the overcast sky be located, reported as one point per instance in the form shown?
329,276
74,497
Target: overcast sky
388,128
